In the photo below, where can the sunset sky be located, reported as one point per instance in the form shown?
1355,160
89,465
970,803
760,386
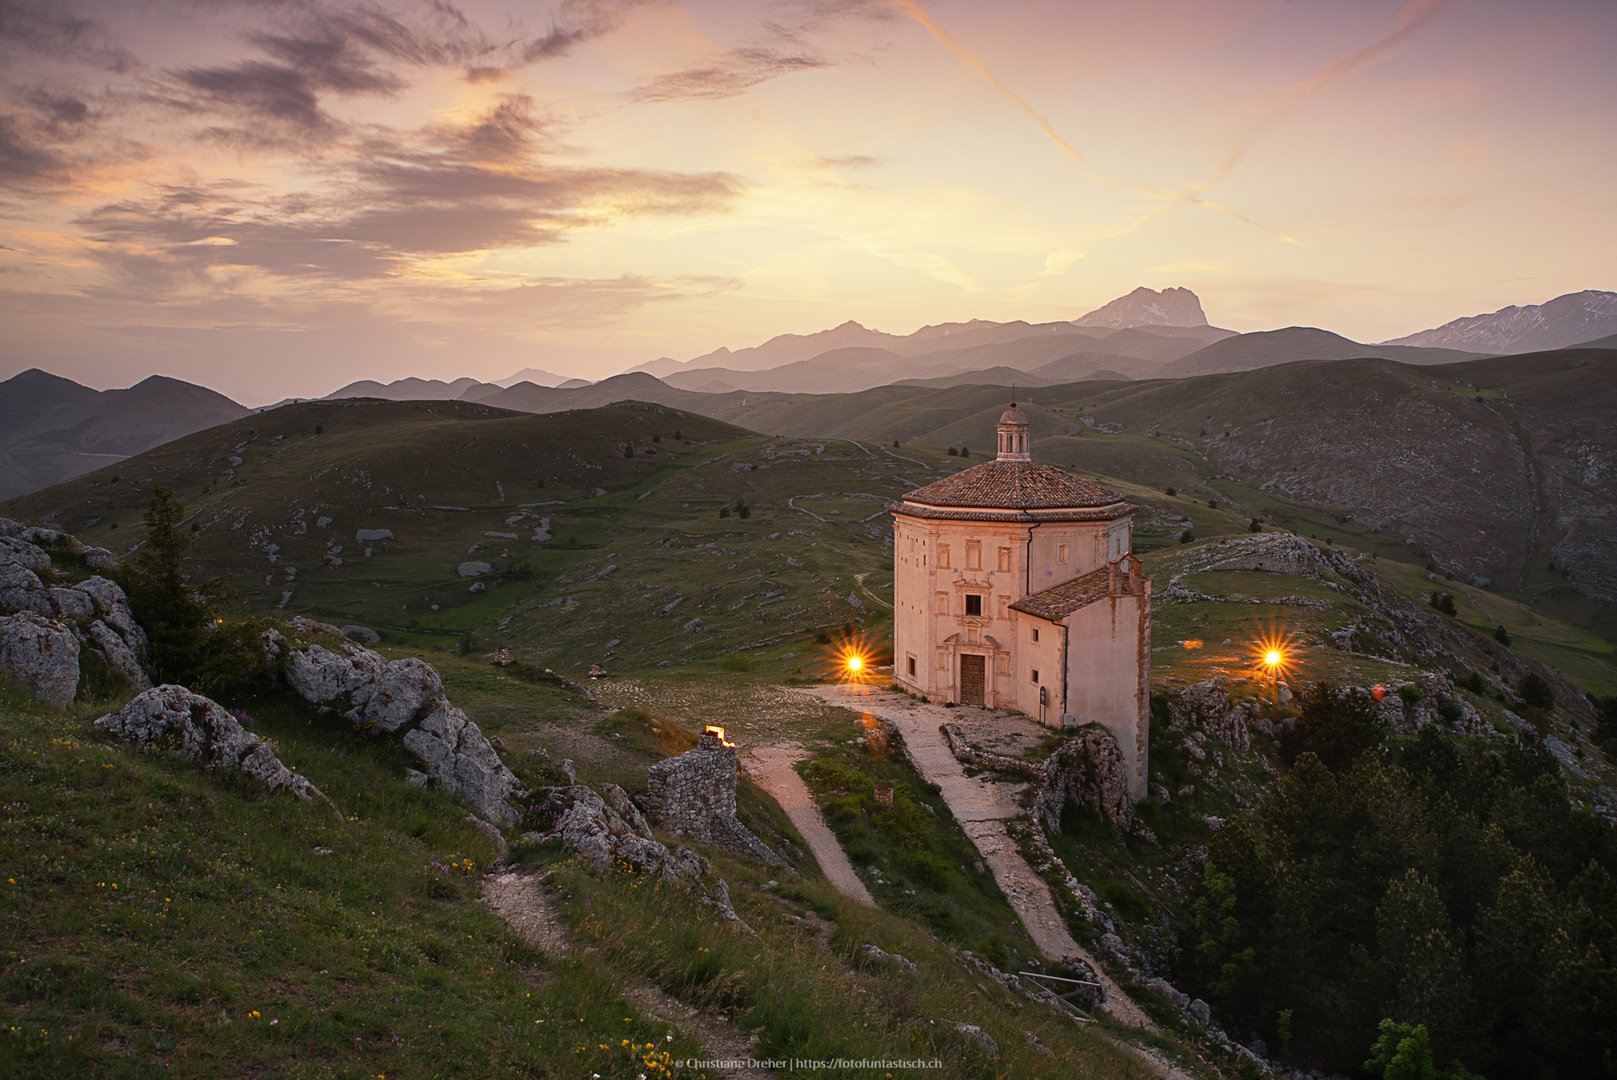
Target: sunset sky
275,199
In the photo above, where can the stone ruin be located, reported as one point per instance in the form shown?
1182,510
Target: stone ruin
694,795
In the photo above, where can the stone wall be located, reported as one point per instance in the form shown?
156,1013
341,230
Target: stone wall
694,795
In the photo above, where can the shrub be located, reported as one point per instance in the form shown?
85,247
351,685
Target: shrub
953,452
1474,683
1443,602
1253,526
1501,635
175,613
1170,492
1187,537
1535,691
964,452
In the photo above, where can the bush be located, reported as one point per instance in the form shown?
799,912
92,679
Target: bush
1170,492
1443,602
1253,526
1336,728
1187,537
1473,682
1501,635
953,452
1535,692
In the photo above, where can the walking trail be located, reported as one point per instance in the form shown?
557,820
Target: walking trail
772,770
982,806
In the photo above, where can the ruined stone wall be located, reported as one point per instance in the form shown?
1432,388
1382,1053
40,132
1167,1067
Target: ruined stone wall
694,795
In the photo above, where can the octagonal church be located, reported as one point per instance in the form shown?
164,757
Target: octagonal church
1015,587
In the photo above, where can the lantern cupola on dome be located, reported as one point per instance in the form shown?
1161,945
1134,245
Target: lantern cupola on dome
1013,432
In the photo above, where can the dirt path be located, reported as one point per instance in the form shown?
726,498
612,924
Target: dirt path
982,805
771,768
520,900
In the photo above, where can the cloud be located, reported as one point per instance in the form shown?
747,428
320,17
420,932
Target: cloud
738,71
37,138
48,29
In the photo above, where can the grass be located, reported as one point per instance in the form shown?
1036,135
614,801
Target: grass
162,921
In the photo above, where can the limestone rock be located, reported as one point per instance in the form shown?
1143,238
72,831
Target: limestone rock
43,655
173,719
459,759
474,569
1205,707
694,795
1198,1011
71,603
16,550
361,633
1178,998
118,654
404,693
112,605
978,1036
335,680
21,590
1087,771
902,963
99,558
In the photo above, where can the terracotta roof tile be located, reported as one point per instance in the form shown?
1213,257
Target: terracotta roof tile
1013,485
1059,601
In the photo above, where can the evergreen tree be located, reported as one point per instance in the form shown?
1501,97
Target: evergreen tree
175,613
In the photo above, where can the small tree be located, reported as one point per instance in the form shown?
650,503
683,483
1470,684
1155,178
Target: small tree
677,436
1171,492
1535,691
175,613
1253,526
1501,635
953,452
1443,602
1187,537
628,451
964,452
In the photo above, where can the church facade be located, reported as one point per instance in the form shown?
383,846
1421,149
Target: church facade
1015,587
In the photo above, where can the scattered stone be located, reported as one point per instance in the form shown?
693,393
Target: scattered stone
320,849
173,719
694,795
404,693
1199,1011
1178,998
978,1036
117,654
477,587
474,569
416,778
364,535
43,655
902,963
361,633
1034,1042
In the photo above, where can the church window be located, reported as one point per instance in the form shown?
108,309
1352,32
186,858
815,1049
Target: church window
1004,560
943,556
974,604
1035,675
974,555
1004,607
943,603
912,667
1035,633
1061,553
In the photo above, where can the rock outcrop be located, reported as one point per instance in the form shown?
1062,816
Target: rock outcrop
1086,771
41,654
617,835
1206,707
404,696
694,795
95,611
174,720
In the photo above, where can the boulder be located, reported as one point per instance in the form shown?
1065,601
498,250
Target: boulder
117,654
112,605
99,558
16,550
474,569
361,633
71,603
405,692
43,655
339,681
173,719
21,590
458,758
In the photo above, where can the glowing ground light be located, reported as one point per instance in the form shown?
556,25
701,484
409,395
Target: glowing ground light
1273,658
856,664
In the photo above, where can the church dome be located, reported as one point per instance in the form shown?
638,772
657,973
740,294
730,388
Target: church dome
1013,415
1014,485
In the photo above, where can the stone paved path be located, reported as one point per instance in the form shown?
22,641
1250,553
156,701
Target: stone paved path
982,805
771,768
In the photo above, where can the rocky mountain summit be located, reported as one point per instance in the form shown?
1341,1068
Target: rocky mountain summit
1147,307
1570,319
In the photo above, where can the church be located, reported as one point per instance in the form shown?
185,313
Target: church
1015,587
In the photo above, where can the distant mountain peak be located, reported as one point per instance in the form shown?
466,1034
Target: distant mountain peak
1569,319
1147,307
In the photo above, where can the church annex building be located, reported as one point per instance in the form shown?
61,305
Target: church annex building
1015,587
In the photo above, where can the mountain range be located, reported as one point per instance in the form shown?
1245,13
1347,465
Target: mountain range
1573,319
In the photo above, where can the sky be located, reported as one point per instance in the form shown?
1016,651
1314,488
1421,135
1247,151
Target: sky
274,199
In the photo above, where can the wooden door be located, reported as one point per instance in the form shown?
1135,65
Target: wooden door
973,679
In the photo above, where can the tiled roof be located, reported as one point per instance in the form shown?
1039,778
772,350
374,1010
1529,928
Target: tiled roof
1025,517
1059,601
1013,485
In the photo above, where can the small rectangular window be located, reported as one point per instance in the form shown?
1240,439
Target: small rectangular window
1061,553
974,604
974,555
943,556
1035,633
1035,675
912,667
1004,560
943,603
